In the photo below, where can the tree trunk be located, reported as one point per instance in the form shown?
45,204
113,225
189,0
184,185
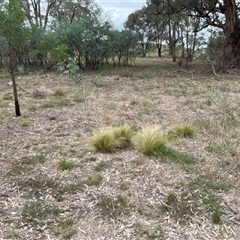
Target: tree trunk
159,47
12,71
231,51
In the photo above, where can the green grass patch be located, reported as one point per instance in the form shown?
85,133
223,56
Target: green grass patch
65,229
126,73
224,147
12,235
195,197
124,186
101,166
210,200
175,156
114,207
49,104
36,187
64,164
139,161
73,187
33,160
32,108
94,180
37,213
7,96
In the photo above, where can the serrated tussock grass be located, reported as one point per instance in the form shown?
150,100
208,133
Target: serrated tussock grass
149,140
184,129
123,134
104,140
108,139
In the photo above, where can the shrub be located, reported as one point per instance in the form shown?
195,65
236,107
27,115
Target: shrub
149,140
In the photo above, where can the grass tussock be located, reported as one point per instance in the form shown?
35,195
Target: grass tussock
59,91
108,139
149,140
64,164
25,122
104,140
184,129
123,134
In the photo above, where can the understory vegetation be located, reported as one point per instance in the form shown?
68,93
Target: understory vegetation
147,151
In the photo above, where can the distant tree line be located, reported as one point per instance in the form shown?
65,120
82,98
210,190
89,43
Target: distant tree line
51,31
54,30
178,22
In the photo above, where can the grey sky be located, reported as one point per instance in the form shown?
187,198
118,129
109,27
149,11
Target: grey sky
120,9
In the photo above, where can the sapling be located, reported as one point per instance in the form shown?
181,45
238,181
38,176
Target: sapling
76,77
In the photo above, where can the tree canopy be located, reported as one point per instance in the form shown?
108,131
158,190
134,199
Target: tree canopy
217,13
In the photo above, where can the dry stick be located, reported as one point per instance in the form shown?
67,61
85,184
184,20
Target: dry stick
213,69
84,103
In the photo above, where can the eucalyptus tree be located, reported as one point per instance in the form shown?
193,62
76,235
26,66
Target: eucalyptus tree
137,22
42,14
12,30
169,11
158,26
38,12
127,47
189,36
222,14
70,11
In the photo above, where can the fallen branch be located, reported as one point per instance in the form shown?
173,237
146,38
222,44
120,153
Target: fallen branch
213,69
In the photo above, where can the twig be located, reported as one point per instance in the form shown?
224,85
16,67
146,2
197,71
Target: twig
213,69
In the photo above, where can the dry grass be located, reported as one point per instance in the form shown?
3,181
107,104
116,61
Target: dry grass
149,140
188,190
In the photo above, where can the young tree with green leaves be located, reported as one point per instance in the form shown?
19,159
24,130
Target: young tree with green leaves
12,29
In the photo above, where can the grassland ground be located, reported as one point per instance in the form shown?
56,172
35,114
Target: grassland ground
55,185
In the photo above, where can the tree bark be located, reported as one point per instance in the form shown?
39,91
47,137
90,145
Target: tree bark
12,72
231,51
159,47
231,48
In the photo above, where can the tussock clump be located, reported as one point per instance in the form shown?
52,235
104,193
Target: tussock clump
149,140
42,92
59,92
123,135
110,138
104,140
184,129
